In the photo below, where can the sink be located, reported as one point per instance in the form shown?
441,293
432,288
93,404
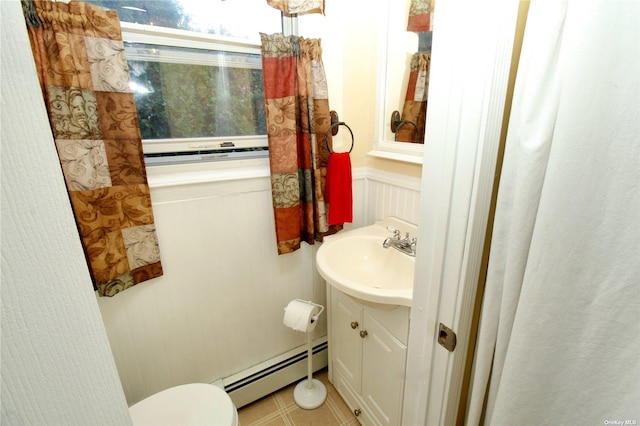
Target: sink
356,263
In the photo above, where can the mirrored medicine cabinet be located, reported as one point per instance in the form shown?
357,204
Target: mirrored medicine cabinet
397,47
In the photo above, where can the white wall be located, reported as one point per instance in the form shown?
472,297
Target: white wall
56,364
218,309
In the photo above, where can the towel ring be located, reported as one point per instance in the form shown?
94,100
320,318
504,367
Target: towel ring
402,123
336,124
334,119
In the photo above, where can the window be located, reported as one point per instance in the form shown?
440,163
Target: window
196,75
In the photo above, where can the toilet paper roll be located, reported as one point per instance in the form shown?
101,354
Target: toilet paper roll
298,315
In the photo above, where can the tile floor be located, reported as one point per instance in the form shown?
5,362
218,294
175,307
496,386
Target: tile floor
279,409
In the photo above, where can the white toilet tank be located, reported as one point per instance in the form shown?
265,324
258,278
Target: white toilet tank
193,404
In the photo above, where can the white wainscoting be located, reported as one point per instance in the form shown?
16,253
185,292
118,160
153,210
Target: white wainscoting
389,194
218,309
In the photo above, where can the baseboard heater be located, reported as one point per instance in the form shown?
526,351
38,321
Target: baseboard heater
269,376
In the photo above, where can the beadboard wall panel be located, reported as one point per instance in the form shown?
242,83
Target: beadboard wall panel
390,194
219,307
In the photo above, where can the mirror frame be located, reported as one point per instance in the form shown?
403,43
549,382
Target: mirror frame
383,148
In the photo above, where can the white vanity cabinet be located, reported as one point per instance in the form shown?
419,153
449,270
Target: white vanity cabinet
367,355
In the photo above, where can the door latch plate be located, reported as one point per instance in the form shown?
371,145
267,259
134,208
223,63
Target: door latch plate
446,337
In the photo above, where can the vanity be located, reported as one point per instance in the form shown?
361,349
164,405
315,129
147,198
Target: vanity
369,271
369,289
367,354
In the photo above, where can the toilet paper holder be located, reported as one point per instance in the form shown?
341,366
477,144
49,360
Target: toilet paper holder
314,317
311,393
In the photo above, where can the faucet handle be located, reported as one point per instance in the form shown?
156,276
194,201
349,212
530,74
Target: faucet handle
396,232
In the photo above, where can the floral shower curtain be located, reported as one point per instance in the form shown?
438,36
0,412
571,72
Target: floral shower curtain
297,107
79,56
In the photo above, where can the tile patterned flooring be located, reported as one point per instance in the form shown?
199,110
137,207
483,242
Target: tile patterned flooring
279,409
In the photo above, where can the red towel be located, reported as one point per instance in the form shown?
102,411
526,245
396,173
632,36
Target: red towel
337,192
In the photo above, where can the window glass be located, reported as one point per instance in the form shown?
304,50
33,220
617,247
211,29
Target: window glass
196,75
243,19
195,93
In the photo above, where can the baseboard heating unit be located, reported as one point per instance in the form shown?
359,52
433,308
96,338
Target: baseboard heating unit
276,373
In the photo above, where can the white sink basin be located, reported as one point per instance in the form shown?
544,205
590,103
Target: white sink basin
356,263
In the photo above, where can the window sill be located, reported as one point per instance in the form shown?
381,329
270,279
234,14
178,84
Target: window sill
163,176
410,157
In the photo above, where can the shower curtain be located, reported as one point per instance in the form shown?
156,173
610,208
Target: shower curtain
559,337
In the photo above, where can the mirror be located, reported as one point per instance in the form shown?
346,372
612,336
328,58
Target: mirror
397,47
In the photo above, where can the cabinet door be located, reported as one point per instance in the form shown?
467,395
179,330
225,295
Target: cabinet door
383,363
346,323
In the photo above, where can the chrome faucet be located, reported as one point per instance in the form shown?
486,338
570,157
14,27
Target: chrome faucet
406,245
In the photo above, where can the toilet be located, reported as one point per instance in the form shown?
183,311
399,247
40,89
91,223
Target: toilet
191,404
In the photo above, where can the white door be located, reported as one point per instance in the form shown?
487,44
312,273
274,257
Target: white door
467,91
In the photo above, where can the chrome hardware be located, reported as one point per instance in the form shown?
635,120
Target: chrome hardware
363,333
396,232
357,412
354,324
406,245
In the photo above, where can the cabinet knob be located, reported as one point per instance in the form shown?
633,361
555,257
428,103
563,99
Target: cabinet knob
363,333
357,412
354,324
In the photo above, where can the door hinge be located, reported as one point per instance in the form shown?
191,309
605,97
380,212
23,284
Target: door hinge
446,337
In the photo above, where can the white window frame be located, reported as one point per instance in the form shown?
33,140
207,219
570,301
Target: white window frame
147,34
